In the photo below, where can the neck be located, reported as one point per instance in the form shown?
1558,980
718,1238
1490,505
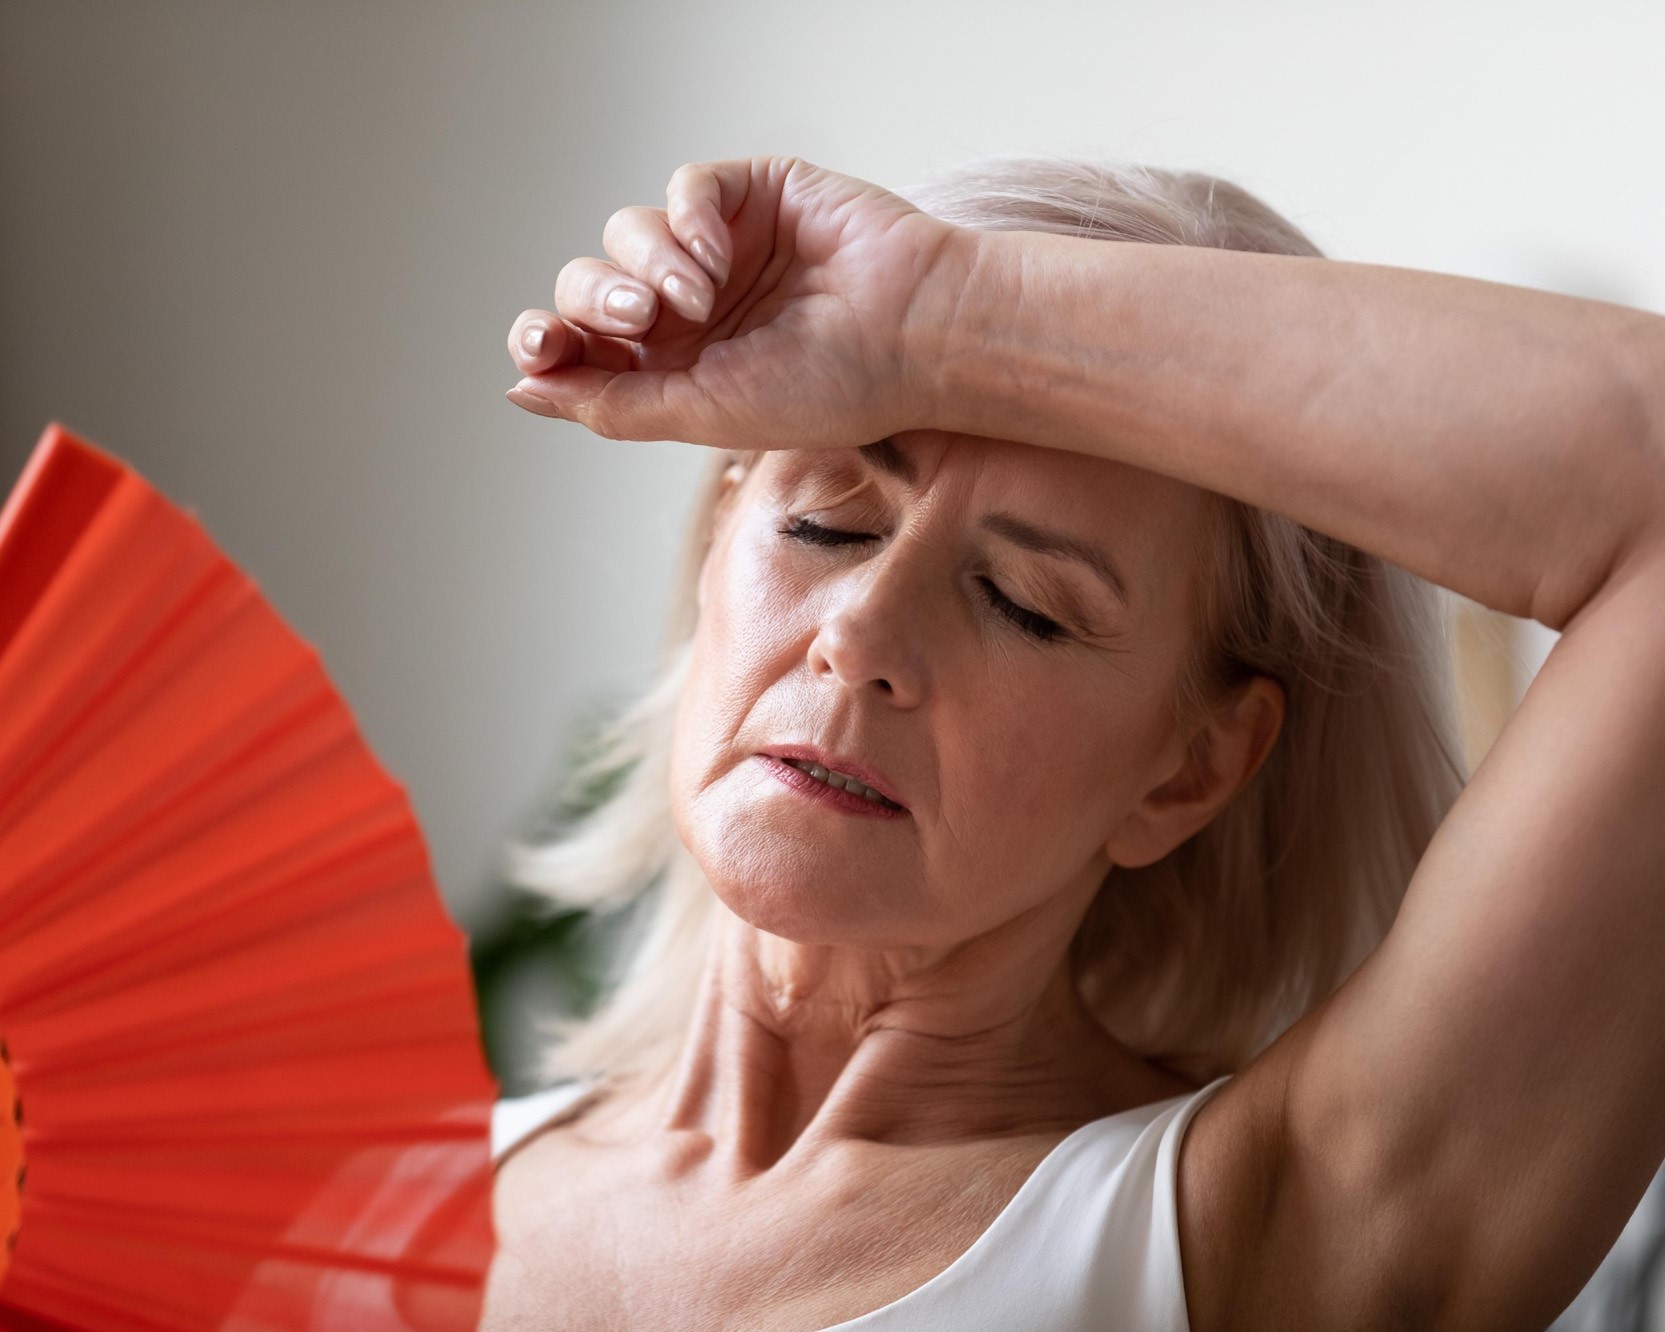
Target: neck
793,1047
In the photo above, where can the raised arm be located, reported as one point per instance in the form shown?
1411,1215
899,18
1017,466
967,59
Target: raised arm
1503,442
1457,1136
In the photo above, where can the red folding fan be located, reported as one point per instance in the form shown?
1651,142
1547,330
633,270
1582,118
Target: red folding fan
241,1080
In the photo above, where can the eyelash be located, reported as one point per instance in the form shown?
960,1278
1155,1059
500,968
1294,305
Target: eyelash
1036,626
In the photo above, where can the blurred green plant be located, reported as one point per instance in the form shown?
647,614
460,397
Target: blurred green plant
532,961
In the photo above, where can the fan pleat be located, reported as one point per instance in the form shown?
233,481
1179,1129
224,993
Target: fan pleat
329,1245
130,1211
84,1301
123,792
111,604
210,908
240,1021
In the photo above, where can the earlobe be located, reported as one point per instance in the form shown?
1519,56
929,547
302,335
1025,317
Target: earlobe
1220,758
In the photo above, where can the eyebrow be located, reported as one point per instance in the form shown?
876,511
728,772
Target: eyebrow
1047,542
885,457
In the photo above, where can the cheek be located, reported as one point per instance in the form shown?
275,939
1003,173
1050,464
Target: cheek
1046,771
739,649
751,603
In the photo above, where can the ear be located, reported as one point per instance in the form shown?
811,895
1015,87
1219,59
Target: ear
1205,772
728,486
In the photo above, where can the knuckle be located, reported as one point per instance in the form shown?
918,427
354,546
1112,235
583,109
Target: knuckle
596,282
688,185
569,282
625,231
615,233
579,290
617,225
599,419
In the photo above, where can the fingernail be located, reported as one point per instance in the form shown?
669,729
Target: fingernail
523,396
706,253
693,302
629,304
532,338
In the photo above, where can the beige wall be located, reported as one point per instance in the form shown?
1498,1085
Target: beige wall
270,251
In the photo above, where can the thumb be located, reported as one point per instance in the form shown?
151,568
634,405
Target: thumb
627,404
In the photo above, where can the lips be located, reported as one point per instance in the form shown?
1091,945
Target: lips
838,763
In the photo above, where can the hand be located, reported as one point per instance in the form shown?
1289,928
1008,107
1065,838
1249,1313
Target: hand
771,304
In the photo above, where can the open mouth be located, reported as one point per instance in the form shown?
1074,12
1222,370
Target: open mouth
843,782
839,789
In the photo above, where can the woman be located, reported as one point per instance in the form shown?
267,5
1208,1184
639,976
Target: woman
1101,572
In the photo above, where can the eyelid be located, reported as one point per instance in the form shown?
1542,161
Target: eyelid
802,528
1015,612
1071,609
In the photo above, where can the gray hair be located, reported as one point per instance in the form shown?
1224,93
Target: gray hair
1202,959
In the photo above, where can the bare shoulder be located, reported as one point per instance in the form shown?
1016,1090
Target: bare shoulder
569,1148
549,1213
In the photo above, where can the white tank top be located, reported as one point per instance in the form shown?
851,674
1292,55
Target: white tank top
1089,1243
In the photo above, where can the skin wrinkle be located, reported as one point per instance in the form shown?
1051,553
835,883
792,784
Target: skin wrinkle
924,947
907,980
1060,597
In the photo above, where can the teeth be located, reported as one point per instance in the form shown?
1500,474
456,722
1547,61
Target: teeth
843,781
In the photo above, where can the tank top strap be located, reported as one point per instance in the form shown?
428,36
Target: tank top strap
516,1118
1090,1242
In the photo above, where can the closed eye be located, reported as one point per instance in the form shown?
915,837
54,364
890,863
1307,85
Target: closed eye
1037,626
1032,622
802,529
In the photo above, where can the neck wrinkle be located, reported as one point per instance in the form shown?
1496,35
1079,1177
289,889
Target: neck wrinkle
760,1093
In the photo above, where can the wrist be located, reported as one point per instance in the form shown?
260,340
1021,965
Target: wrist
944,331
964,336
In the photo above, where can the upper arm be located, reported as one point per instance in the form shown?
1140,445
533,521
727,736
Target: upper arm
1457,1136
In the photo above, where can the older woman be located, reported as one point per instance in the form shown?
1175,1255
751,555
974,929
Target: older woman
1052,766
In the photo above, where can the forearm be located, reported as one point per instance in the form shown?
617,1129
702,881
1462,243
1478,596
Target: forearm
1503,442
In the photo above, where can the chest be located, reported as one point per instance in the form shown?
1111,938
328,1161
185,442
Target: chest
588,1245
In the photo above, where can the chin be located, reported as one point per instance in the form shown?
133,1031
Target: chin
784,915
798,880
783,896
779,894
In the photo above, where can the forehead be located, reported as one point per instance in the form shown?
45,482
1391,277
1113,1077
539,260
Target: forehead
1129,507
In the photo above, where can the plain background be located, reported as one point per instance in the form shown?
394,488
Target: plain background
270,252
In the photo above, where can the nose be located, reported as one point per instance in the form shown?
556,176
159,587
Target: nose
873,634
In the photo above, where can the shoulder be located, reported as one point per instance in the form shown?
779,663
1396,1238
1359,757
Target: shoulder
543,1157
1132,1189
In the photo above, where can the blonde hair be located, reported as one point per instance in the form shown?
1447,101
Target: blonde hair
1201,960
